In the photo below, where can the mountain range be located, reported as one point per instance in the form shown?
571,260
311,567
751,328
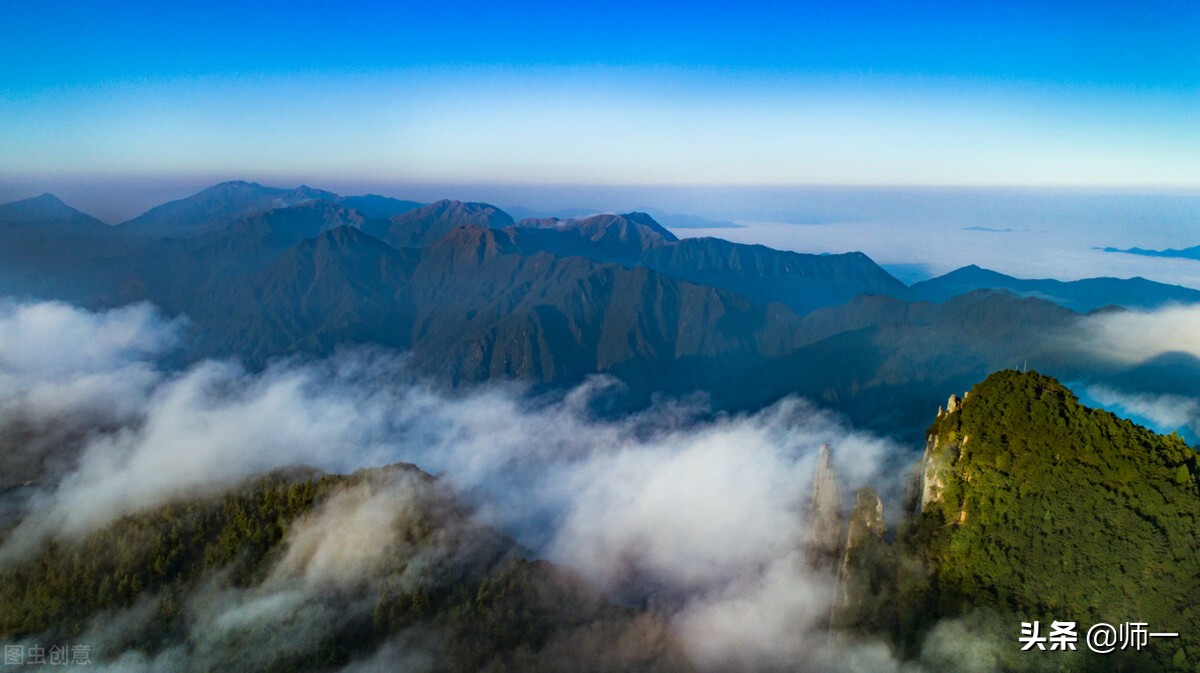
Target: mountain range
264,272
1185,253
1080,295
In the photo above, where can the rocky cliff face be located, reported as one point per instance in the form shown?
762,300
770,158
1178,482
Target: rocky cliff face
867,572
942,451
826,525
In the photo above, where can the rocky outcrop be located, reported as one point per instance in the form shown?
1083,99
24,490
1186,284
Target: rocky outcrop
953,404
867,572
932,472
826,525
943,448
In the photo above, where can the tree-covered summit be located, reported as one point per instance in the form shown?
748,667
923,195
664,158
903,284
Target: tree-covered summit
1038,508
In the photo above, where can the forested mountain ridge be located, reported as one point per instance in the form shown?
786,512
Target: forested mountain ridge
1028,506
364,562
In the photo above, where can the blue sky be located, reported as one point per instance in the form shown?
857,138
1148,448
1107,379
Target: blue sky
927,93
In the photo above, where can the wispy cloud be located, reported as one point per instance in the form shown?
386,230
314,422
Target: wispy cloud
990,230
58,361
1164,413
1131,337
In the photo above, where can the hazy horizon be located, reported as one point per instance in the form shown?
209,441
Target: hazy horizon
915,232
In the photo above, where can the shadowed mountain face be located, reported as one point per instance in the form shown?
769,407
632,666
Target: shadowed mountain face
554,319
474,297
799,281
878,359
802,282
340,287
471,307
1080,295
44,243
185,275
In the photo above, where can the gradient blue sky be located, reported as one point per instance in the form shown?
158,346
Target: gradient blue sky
617,93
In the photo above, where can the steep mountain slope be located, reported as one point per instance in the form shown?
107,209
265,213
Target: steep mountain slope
301,571
1037,508
423,226
484,310
612,238
471,306
182,275
341,287
1080,295
802,282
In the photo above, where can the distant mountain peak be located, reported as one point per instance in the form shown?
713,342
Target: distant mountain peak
45,208
423,226
218,206
46,200
470,208
644,221
47,197
642,218
605,236
233,186
975,270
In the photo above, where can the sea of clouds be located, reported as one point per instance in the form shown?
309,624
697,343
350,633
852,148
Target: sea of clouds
699,516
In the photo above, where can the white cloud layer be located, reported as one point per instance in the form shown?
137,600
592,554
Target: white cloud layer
1135,336
1163,412
57,361
703,517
